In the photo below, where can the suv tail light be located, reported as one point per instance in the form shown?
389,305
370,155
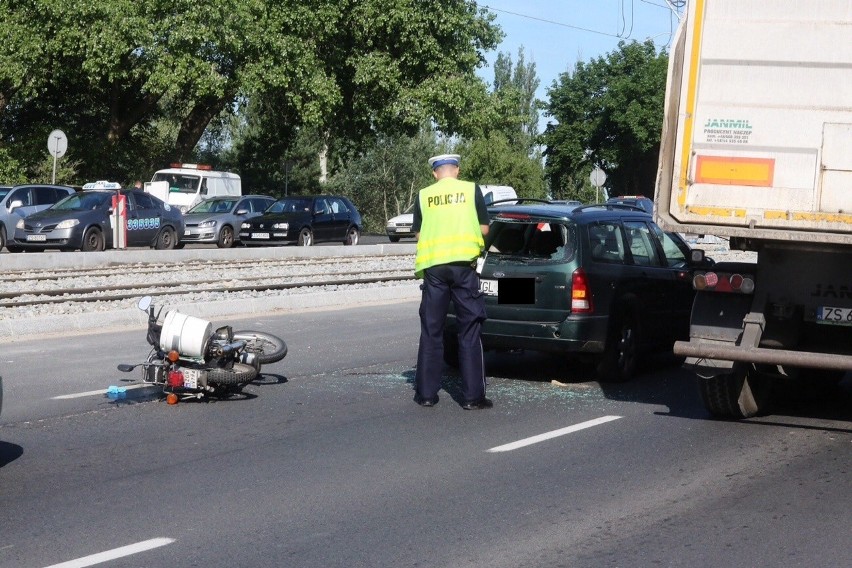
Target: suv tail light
581,296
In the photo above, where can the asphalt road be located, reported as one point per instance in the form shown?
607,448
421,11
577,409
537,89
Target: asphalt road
328,462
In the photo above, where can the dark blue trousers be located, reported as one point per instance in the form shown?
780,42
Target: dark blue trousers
441,284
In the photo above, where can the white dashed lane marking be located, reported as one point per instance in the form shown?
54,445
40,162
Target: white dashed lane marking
108,555
552,434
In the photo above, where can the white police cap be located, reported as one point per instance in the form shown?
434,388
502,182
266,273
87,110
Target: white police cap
444,159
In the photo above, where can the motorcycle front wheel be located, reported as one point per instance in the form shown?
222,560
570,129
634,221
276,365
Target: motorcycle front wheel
268,348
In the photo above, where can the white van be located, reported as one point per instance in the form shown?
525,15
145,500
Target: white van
185,185
494,193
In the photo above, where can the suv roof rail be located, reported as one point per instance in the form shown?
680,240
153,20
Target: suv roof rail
611,206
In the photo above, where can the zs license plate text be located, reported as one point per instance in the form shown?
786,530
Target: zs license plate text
834,316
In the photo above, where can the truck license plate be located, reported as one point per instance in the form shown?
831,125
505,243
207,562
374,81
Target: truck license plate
834,316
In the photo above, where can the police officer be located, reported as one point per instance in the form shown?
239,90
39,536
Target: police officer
450,219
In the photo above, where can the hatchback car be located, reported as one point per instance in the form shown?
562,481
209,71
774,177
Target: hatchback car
84,221
304,219
20,201
601,281
218,220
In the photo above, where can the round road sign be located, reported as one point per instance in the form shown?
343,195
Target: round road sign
597,177
57,143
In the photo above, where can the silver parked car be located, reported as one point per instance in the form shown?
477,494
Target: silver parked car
22,200
218,219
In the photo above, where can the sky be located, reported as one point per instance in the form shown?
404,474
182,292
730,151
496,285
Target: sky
556,34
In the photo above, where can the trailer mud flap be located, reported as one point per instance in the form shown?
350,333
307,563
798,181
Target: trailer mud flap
717,320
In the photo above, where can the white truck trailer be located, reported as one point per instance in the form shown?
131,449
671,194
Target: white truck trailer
757,148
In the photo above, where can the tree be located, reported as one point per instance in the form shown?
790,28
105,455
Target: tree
138,83
495,160
383,181
608,112
514,94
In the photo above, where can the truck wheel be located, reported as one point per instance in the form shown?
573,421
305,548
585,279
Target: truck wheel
742,393
621,354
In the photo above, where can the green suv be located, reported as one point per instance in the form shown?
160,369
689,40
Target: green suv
601,281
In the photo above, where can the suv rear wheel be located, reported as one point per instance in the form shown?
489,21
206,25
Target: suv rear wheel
621,355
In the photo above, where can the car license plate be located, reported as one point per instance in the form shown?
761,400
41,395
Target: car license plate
260,235
36,237
488,287
834,316
188,232
190,378
403,229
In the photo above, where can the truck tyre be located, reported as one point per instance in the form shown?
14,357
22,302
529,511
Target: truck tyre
620,358
742,393
239,374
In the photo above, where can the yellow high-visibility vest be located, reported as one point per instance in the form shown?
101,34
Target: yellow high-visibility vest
449,229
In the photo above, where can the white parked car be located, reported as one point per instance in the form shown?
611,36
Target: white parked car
399,227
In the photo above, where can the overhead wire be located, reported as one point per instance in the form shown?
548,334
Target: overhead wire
552,22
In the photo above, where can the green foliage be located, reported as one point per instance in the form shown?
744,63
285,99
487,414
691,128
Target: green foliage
383,181
137,84
11,172
494,160
609,112
66,171
501,150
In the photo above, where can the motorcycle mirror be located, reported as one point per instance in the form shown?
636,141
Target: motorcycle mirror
125,368
144,303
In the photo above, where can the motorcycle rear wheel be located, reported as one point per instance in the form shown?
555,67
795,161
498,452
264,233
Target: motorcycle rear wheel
241,373
268,348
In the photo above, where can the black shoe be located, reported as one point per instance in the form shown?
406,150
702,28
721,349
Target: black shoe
425,401
480,404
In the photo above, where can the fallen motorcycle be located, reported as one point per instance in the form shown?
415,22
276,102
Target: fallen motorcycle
192,361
